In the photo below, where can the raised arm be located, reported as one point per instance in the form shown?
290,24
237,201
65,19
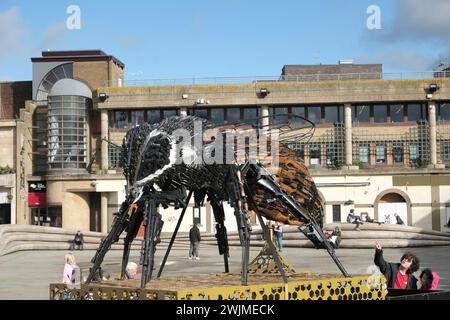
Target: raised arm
379,260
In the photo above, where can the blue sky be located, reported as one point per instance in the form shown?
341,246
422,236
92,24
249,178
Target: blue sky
225,38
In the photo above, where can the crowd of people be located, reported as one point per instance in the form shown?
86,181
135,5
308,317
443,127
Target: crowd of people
353,218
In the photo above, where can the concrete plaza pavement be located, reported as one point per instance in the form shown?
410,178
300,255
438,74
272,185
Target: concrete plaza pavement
27,274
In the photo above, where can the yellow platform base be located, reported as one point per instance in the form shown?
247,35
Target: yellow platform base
226,286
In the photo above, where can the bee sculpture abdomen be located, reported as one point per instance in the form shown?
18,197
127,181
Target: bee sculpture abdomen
292,176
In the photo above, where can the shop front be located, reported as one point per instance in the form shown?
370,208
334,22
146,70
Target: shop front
41,213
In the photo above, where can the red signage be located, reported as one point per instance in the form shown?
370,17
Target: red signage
37,199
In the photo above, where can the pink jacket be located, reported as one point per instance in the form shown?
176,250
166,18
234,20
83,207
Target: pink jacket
67,274
435,283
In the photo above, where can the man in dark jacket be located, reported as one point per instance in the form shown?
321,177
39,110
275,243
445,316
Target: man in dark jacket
78,241
398,275
399,220
194,238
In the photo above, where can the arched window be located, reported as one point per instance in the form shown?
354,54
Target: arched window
64,71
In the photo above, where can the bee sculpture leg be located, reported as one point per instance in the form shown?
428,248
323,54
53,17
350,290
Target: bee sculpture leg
133,229
153,224
221,230
174,234
239,203
119,224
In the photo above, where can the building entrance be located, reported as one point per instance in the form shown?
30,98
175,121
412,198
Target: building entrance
391,204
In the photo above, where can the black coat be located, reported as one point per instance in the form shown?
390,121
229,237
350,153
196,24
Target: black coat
390,270
194,235
399,220
79,238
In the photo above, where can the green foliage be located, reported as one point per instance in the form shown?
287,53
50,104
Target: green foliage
357,163
6,170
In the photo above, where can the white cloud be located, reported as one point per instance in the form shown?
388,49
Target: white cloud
419,19
416,24
11,31
53,36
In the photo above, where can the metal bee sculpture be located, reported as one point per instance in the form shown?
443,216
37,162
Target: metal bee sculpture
165,164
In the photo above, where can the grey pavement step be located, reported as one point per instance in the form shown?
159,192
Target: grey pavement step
15,238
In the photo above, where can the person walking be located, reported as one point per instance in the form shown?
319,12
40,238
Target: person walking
194,238
70,266
278,229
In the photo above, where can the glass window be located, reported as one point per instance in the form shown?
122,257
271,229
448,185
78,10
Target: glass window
414,153
47,85
396,113
153,116
121,119
341,113
299,150
298,111
380,153
446,151
114,154
169,113
217,115
201,113
444,111
361,114
416,112
55,216
380,113
397,153
330,154
314,154
67,133
363,153
40,141
331,114
137,118
51,77
314,114
233,114
278,115
68,70
59,72
251,114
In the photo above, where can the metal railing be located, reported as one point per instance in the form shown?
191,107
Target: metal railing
282,78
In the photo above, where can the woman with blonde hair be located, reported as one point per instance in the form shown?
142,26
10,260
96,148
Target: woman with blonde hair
69,266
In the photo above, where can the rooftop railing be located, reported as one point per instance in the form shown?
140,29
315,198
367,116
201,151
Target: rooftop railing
284,78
